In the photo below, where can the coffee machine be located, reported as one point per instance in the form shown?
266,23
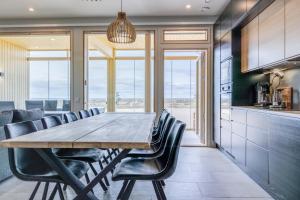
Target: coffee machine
263,94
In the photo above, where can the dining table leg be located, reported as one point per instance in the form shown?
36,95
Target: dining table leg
110,166
57,165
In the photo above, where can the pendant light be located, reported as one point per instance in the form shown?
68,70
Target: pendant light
121,30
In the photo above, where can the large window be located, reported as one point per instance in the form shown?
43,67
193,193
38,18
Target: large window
130,85
97,83
120,76
49,76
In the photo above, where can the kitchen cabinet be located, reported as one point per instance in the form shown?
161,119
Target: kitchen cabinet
239,115
271,34
257,161
226,135
239,8
238,148
251,4
292,28
285,156
217,104
226,46
226,20
217,31
249,46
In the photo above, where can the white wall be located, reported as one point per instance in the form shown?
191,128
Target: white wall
14,86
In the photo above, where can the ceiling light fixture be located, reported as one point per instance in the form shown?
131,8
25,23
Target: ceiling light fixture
188,6
52,39
121,30
31,9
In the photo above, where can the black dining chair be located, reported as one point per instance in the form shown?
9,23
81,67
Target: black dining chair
66,105
50,105
27,165
156,149
95,111
84,114
87,155
157,130
7,105
70,117
156,170
34,104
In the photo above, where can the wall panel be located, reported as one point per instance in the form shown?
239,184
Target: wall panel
14,86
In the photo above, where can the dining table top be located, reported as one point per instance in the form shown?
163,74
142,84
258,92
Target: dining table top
107,130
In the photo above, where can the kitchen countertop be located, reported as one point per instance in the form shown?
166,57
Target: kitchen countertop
287,113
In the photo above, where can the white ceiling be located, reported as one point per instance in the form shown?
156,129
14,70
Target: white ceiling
16,9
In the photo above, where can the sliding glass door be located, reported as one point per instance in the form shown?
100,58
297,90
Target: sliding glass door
181,86
97,82
130,86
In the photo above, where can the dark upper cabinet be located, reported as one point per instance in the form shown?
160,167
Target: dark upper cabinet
217,31
251,4
226,46
226,20
239,8
217,106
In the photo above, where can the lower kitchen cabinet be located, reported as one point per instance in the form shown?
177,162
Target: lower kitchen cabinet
285,156
285,176
226,139
226,135
238,148
257,161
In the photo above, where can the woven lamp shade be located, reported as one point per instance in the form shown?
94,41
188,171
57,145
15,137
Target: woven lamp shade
121,30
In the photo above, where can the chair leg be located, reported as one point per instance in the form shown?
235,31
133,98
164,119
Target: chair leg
125,183
105,177
45,191
128,190
60,192
160,190
34,191
54,191
65,187
96,173
162,182
158,196
93,169
87,178
109,154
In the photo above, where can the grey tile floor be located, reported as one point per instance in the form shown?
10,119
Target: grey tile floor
202,174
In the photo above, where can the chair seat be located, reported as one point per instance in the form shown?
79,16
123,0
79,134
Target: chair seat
137,153
78,168
137,169
87,155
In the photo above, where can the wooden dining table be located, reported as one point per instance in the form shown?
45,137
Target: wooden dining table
123,131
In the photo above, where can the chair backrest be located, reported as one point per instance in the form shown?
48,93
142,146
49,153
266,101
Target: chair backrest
168,161
7,105
51,121
27,115
70,117
5,118
162,120
23,161
95,111
50,105
84,114
160,147
33,104
66,105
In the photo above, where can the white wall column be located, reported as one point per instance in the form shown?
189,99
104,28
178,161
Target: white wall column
77,69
